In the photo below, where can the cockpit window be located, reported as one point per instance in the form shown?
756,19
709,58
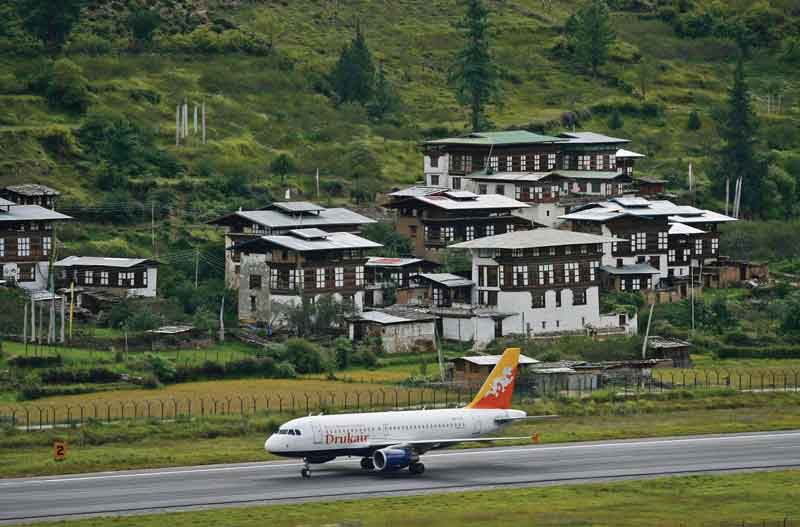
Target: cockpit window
297,433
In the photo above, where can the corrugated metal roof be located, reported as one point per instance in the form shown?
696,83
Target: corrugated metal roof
334,240
395,316
628,206
508,176
309,234
542,237
482,201
664,342
513,137
605,175
33,189
418,190
590,138
460,194
492,360
297,206
447,279
680,228
382,261
100,261
630,269
628,154
30,213
275,219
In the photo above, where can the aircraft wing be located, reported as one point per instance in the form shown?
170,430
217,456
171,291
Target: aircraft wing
505,420
424,445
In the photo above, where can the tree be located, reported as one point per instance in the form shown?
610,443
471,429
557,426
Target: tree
737,158
354,74
646,73
616,122
68,88
51,21
282,166
694,122
591,34
394,243
384,99
474,75
143,23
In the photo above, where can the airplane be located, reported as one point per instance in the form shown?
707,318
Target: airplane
390,441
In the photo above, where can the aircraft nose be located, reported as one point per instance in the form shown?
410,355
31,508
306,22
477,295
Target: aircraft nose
269,444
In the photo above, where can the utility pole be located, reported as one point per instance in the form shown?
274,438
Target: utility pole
71,307
647,332
196,266
222,320
153,225
25,327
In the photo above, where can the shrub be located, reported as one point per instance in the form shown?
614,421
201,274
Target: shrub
74,376
68,88
306,356
615,122
694,122
285,370
162,368
761,352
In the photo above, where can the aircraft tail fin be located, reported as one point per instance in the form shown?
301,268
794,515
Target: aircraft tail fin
498,388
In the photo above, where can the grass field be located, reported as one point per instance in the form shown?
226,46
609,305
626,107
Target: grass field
231,439
690,500
225,352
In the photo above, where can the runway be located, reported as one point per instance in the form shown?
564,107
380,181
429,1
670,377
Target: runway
161,490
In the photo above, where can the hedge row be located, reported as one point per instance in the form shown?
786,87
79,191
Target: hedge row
78,376
264,367
25,361
765,352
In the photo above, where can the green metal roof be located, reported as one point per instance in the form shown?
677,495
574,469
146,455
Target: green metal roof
513,137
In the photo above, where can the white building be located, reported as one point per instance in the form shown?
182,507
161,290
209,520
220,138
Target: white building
666,236
124,277
400,330
26,243
280,218
541,281
281,270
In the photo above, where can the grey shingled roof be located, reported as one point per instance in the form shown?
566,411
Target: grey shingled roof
631,269
543,237
491,360
417,190
297,206
383,261
278,219
100,261
481,201
590,138
447,279
395,316
11,212
640,207
332,241
33,189
513,137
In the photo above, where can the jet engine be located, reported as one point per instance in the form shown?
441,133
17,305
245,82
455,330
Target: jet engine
389,459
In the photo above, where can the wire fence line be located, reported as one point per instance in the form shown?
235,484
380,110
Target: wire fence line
40,415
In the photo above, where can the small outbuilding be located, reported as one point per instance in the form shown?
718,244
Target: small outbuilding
475,368
676,350
400,330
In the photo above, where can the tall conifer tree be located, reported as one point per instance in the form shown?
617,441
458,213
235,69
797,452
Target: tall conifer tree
474,74
737,157
591,34
354,74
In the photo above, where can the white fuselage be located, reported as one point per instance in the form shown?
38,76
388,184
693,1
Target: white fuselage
328,436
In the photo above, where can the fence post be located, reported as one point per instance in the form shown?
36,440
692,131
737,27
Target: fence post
280,404
308,411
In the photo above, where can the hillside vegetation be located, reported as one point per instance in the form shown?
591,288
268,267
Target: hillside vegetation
261,68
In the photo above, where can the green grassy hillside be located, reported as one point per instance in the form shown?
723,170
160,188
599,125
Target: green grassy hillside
273,99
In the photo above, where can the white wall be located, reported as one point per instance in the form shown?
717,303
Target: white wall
400,338
11,271
441,171
152,282
542,213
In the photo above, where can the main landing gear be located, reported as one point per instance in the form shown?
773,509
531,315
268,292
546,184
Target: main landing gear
416,468
367,463
305,472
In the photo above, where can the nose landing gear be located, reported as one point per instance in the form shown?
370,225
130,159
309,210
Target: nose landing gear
305,472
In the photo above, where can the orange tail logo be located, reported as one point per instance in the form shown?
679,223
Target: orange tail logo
496,392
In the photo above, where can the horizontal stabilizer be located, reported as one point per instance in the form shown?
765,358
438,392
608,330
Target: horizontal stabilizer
525,418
